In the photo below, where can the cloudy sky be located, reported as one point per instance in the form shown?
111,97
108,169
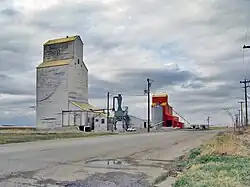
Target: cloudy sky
192,49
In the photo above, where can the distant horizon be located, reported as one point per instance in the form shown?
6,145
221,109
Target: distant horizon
13,125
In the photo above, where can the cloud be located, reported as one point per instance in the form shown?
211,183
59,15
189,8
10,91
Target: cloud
133,81
192,49
17,84
15,109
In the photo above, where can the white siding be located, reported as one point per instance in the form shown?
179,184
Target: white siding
99,126
78,49
52,96
59,51
136,122
78,82
81,117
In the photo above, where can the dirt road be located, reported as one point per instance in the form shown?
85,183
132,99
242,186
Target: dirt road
127,160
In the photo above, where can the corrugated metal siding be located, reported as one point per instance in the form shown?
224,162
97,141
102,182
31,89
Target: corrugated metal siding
157,114
52,96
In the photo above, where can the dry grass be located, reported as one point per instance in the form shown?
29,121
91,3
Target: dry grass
6,138
228,144
222,162
17,131
217,127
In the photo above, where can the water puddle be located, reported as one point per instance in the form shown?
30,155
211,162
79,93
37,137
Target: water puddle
108,163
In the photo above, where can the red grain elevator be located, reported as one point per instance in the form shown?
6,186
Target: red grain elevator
163,112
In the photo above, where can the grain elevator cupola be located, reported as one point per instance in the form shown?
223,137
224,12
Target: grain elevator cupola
62,78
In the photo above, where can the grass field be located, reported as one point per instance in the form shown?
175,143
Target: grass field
217,127
223,162
27,136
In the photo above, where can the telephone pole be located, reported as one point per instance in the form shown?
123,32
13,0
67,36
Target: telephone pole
245,87
208,120
108,111
149,81
241,113
239,119
236,121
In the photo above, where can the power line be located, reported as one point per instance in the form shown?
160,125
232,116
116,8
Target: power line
181,116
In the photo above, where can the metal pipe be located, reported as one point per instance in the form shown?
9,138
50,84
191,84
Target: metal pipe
114,102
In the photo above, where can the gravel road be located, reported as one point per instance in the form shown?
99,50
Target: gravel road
126,160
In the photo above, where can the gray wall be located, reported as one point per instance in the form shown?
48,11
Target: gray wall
136,122
59,51
78,49
52,96
157,115
78,82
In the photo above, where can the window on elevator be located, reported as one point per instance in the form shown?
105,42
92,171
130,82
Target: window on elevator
103,121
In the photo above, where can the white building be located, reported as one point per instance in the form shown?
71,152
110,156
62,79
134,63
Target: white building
62,85
137,122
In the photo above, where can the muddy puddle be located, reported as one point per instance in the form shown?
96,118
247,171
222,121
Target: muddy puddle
109,163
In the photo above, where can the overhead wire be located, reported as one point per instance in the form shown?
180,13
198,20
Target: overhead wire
181,116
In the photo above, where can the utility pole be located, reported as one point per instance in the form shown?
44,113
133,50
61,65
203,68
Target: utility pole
108,111
239,119
236,121
245,87
241,113
149,81
208,120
